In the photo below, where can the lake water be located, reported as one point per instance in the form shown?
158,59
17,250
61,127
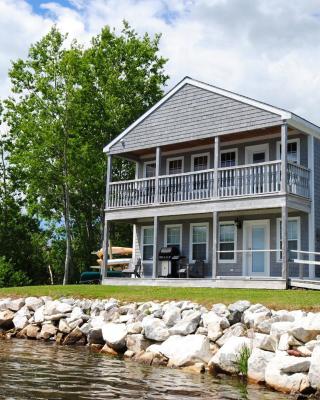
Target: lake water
38,370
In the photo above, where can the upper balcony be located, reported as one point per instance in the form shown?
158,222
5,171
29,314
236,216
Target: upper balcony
239,181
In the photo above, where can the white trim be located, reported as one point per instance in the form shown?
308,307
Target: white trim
174,159
206,224
311,215
247,264
145,164
166,234
293,120
298,219
143,228
297,140
256,148
234,260
233,150
193,156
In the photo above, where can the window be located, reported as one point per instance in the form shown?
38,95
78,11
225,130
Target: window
199,241
293,152
149,169
173,235
293,237
200,162
228,158
174,166
147,243
227,242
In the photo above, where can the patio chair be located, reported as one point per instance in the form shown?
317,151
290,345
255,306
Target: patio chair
196,270
133,270
183,267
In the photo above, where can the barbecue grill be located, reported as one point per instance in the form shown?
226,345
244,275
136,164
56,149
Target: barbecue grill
169,257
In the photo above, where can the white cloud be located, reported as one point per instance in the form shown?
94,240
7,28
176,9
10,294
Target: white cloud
266,49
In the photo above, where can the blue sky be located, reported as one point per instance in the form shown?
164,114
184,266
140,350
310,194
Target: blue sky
264,49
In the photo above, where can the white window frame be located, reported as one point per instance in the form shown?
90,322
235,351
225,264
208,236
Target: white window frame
234,260
143,228
257,148
206,224
298,219
145,167
174,159
166,234
297,140
235,150
193,156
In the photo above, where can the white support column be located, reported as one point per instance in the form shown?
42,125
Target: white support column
311,217
155,246
284,157
109,178
136,175
284,239
157,173
106,234
216,164
215,243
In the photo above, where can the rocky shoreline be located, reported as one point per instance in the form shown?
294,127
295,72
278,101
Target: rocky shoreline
278,348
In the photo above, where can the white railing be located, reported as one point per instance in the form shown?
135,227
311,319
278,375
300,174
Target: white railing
298,180
249,179
245,180
131,193
188,186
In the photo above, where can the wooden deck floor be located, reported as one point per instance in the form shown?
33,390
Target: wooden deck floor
305,283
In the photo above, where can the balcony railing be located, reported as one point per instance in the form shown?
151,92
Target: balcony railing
245,180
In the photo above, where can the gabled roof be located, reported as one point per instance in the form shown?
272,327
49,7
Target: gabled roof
293,120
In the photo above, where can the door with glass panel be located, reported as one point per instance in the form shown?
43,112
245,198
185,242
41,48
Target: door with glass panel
199,183
258,179
256,246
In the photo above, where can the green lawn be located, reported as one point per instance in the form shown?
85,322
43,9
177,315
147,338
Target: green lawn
278,299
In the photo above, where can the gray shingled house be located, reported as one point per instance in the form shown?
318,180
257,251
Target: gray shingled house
214,187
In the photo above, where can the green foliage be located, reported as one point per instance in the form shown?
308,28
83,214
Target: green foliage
242,360
9,276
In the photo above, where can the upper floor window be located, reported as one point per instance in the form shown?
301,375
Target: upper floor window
149,169
147,242
173,236
174,166
200,162
293,150
228,158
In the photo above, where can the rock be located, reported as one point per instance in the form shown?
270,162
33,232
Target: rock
291,365
4,304
20,321
85,328
306,328
77,314
48,331
39,315
280,328
264,342
215,325
134,327
221,310
288,383
235,330
202,331
6,319
15,305
33,303
59,338
155,329
108,350
186,350
159,359
197,368
137,343
312,344
64,327
128,354
154,348
304,351
227,356
56,307
257,363
241,306
187,325
144,358
283,344
23,333
255,314
75,323
32,331
95,336
73,337
314,371
115,335
97,322
172,316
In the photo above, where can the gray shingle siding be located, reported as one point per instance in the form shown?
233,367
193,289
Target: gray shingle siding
194,113
317,199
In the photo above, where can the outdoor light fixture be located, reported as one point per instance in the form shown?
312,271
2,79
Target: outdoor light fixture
238,223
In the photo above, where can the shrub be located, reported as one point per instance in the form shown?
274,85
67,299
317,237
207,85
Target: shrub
242,360
9,276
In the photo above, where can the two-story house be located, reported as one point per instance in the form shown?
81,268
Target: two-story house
225,179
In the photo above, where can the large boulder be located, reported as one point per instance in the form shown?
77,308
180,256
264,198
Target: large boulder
257,364
215,325
134,327
32,331
172,316
236,310
307,328
187,325
115,335
227,357
95,336
39,315
20,321
33,303
56,307
137,343
47,331
281,381
6,319
77,314
264,342
237,329
255,314
73,337
280,328
186,350
314,371
155,329
15,305
64,327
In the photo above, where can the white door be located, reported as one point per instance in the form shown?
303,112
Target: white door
256,241
257,154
